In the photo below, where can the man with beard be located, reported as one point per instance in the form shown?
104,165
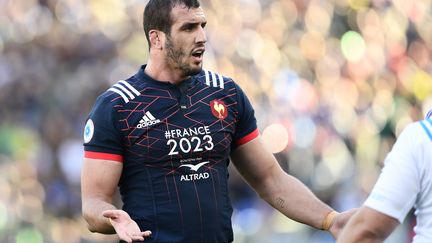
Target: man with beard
164,137
405,182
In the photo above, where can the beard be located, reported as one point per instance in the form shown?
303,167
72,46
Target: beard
175,58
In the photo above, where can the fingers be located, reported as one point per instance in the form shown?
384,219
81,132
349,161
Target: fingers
146,233
128,237
141,235
124,236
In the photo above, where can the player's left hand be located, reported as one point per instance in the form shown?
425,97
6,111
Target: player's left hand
126,228
340,221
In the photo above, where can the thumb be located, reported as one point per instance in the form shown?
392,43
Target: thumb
112,214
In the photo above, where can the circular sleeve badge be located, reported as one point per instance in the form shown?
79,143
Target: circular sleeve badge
88,131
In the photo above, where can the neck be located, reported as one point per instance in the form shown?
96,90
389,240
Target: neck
162,72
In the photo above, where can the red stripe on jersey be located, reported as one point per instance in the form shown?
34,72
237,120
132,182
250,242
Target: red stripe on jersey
105,156
254,134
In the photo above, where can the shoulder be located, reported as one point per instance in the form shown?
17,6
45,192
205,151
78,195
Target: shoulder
426,127
415,138
115,97
123,91
215,80
420,131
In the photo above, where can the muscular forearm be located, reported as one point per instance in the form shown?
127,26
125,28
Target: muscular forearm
295,200
284,192
92,213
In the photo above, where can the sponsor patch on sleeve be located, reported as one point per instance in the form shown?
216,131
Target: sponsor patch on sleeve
88,131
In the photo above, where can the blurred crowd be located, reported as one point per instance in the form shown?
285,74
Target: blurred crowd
333,82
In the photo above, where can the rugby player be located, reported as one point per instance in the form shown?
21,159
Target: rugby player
165,136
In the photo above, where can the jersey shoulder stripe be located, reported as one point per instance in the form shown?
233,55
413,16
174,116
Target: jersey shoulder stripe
125,90
213,79
427,127
429,115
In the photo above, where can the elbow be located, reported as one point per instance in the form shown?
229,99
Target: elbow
92,225
91,228
88,219
91,220
95,225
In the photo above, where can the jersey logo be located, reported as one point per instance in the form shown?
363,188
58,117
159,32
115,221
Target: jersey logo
213,79
147,120
195,176
195,167
88,131
125,90
218,109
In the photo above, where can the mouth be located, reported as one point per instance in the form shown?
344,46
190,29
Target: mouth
198,53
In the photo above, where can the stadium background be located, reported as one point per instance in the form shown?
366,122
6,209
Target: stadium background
333,82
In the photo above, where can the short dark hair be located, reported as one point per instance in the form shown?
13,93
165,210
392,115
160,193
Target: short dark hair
157,14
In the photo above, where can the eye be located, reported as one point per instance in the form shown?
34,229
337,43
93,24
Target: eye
188,27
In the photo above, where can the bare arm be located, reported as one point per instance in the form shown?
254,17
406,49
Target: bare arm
367,226
284,192
99,179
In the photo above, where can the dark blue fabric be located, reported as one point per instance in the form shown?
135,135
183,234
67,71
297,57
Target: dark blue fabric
175,178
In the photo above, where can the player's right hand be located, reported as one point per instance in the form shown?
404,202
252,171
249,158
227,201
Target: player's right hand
126,228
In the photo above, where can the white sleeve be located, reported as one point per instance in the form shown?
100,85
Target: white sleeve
397,187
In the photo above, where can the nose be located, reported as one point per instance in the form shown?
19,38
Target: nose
201,36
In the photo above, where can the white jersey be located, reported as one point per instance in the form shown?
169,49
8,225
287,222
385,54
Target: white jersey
406,180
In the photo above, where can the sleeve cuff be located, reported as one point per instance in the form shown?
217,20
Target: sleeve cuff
104,156
254,134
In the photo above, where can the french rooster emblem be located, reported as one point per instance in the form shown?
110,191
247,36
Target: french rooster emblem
218,109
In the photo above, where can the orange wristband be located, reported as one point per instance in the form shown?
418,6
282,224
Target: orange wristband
328,220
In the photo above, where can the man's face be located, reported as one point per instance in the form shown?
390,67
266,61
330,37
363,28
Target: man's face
185,45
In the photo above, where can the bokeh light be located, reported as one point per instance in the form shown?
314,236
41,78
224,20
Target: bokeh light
29,235
333,83
275,137
3,216
353,46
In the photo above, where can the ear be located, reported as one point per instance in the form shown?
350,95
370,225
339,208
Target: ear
156,39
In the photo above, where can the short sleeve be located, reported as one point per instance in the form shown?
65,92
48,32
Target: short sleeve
102,140
246,127
398,185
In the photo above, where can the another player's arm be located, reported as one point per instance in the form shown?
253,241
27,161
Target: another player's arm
368,226
99,179
281,190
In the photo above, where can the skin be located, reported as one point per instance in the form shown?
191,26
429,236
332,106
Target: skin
99,180
171,56
171,59
284,192
368,226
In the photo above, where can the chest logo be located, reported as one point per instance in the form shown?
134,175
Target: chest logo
219,109
194,167
147,120
197,175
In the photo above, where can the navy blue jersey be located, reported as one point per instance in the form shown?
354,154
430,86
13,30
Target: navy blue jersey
174,142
